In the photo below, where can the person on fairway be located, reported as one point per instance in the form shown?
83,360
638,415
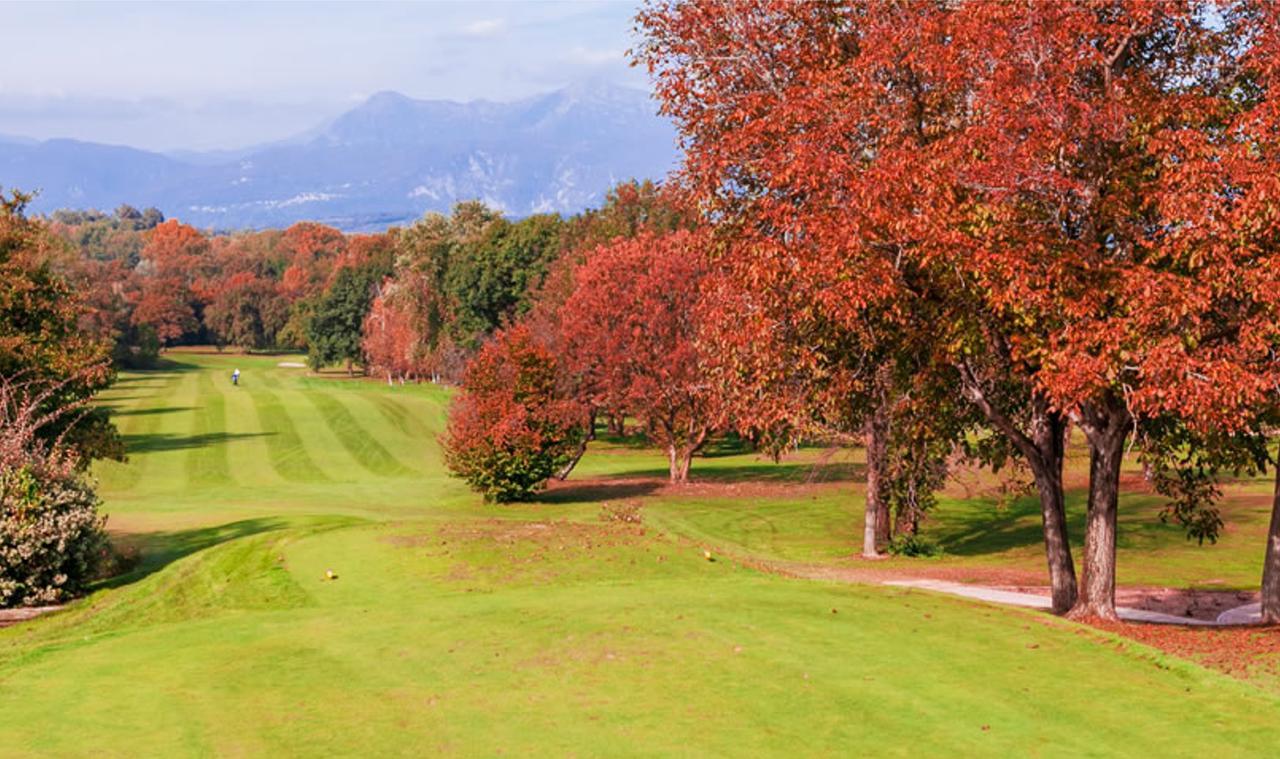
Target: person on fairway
235,377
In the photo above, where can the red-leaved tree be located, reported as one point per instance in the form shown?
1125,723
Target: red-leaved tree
630,330
1052,174
515,424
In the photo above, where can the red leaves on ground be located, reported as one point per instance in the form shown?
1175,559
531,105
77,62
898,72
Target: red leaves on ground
1243,652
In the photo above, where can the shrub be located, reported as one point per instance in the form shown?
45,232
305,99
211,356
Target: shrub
914,546
514,425
51,535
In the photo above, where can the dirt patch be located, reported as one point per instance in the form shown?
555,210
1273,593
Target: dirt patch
508,532
605,489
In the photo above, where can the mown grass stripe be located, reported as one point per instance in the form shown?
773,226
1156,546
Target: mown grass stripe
357,441
138,420
288,455
398,415
207,464
249,458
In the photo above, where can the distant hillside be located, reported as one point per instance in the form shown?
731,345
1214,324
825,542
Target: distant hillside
386,161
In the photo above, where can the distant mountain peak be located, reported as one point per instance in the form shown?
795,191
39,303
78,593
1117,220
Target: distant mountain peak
387,160
387,96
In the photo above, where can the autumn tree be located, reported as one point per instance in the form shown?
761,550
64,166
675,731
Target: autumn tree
631,334
312,251
514,425
1107,217
41,339
247,311
392,342
630,209
1037,164
173,261
779,140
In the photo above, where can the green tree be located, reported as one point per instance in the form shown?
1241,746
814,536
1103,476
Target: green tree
492,274
334,331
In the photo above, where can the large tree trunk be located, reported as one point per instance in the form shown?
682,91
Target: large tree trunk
876,516
1271,564
1057,549
1049,433
681,448
1106,428
1042,447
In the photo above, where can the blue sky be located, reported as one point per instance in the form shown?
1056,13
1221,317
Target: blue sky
168,76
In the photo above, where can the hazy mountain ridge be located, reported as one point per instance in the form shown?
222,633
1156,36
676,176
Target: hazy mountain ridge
385,161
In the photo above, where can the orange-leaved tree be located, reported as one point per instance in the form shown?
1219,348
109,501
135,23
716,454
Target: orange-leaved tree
630,333
1034,168
515,424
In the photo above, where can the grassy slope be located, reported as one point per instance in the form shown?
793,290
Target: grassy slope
452,630
977,529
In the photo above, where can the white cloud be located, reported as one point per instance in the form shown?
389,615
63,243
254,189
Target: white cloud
486,27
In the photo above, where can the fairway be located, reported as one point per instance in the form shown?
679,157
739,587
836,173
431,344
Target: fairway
462,628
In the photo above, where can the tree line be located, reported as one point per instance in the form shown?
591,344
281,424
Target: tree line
86,293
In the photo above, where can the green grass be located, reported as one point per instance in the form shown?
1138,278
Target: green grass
536,629
977,530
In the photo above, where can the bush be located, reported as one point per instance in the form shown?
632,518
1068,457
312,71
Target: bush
914,546
51,535
514,425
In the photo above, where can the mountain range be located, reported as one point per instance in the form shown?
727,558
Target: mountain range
385,162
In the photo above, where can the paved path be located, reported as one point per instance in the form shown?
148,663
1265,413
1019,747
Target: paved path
1242,615
23,613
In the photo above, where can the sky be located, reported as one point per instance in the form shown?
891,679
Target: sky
202,76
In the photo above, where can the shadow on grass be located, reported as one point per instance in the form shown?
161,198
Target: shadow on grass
158,550
164,367
795,474
594,491
150,411
163,441
991,530
979,531
635,441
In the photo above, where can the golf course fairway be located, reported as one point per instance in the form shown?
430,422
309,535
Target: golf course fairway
312,583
